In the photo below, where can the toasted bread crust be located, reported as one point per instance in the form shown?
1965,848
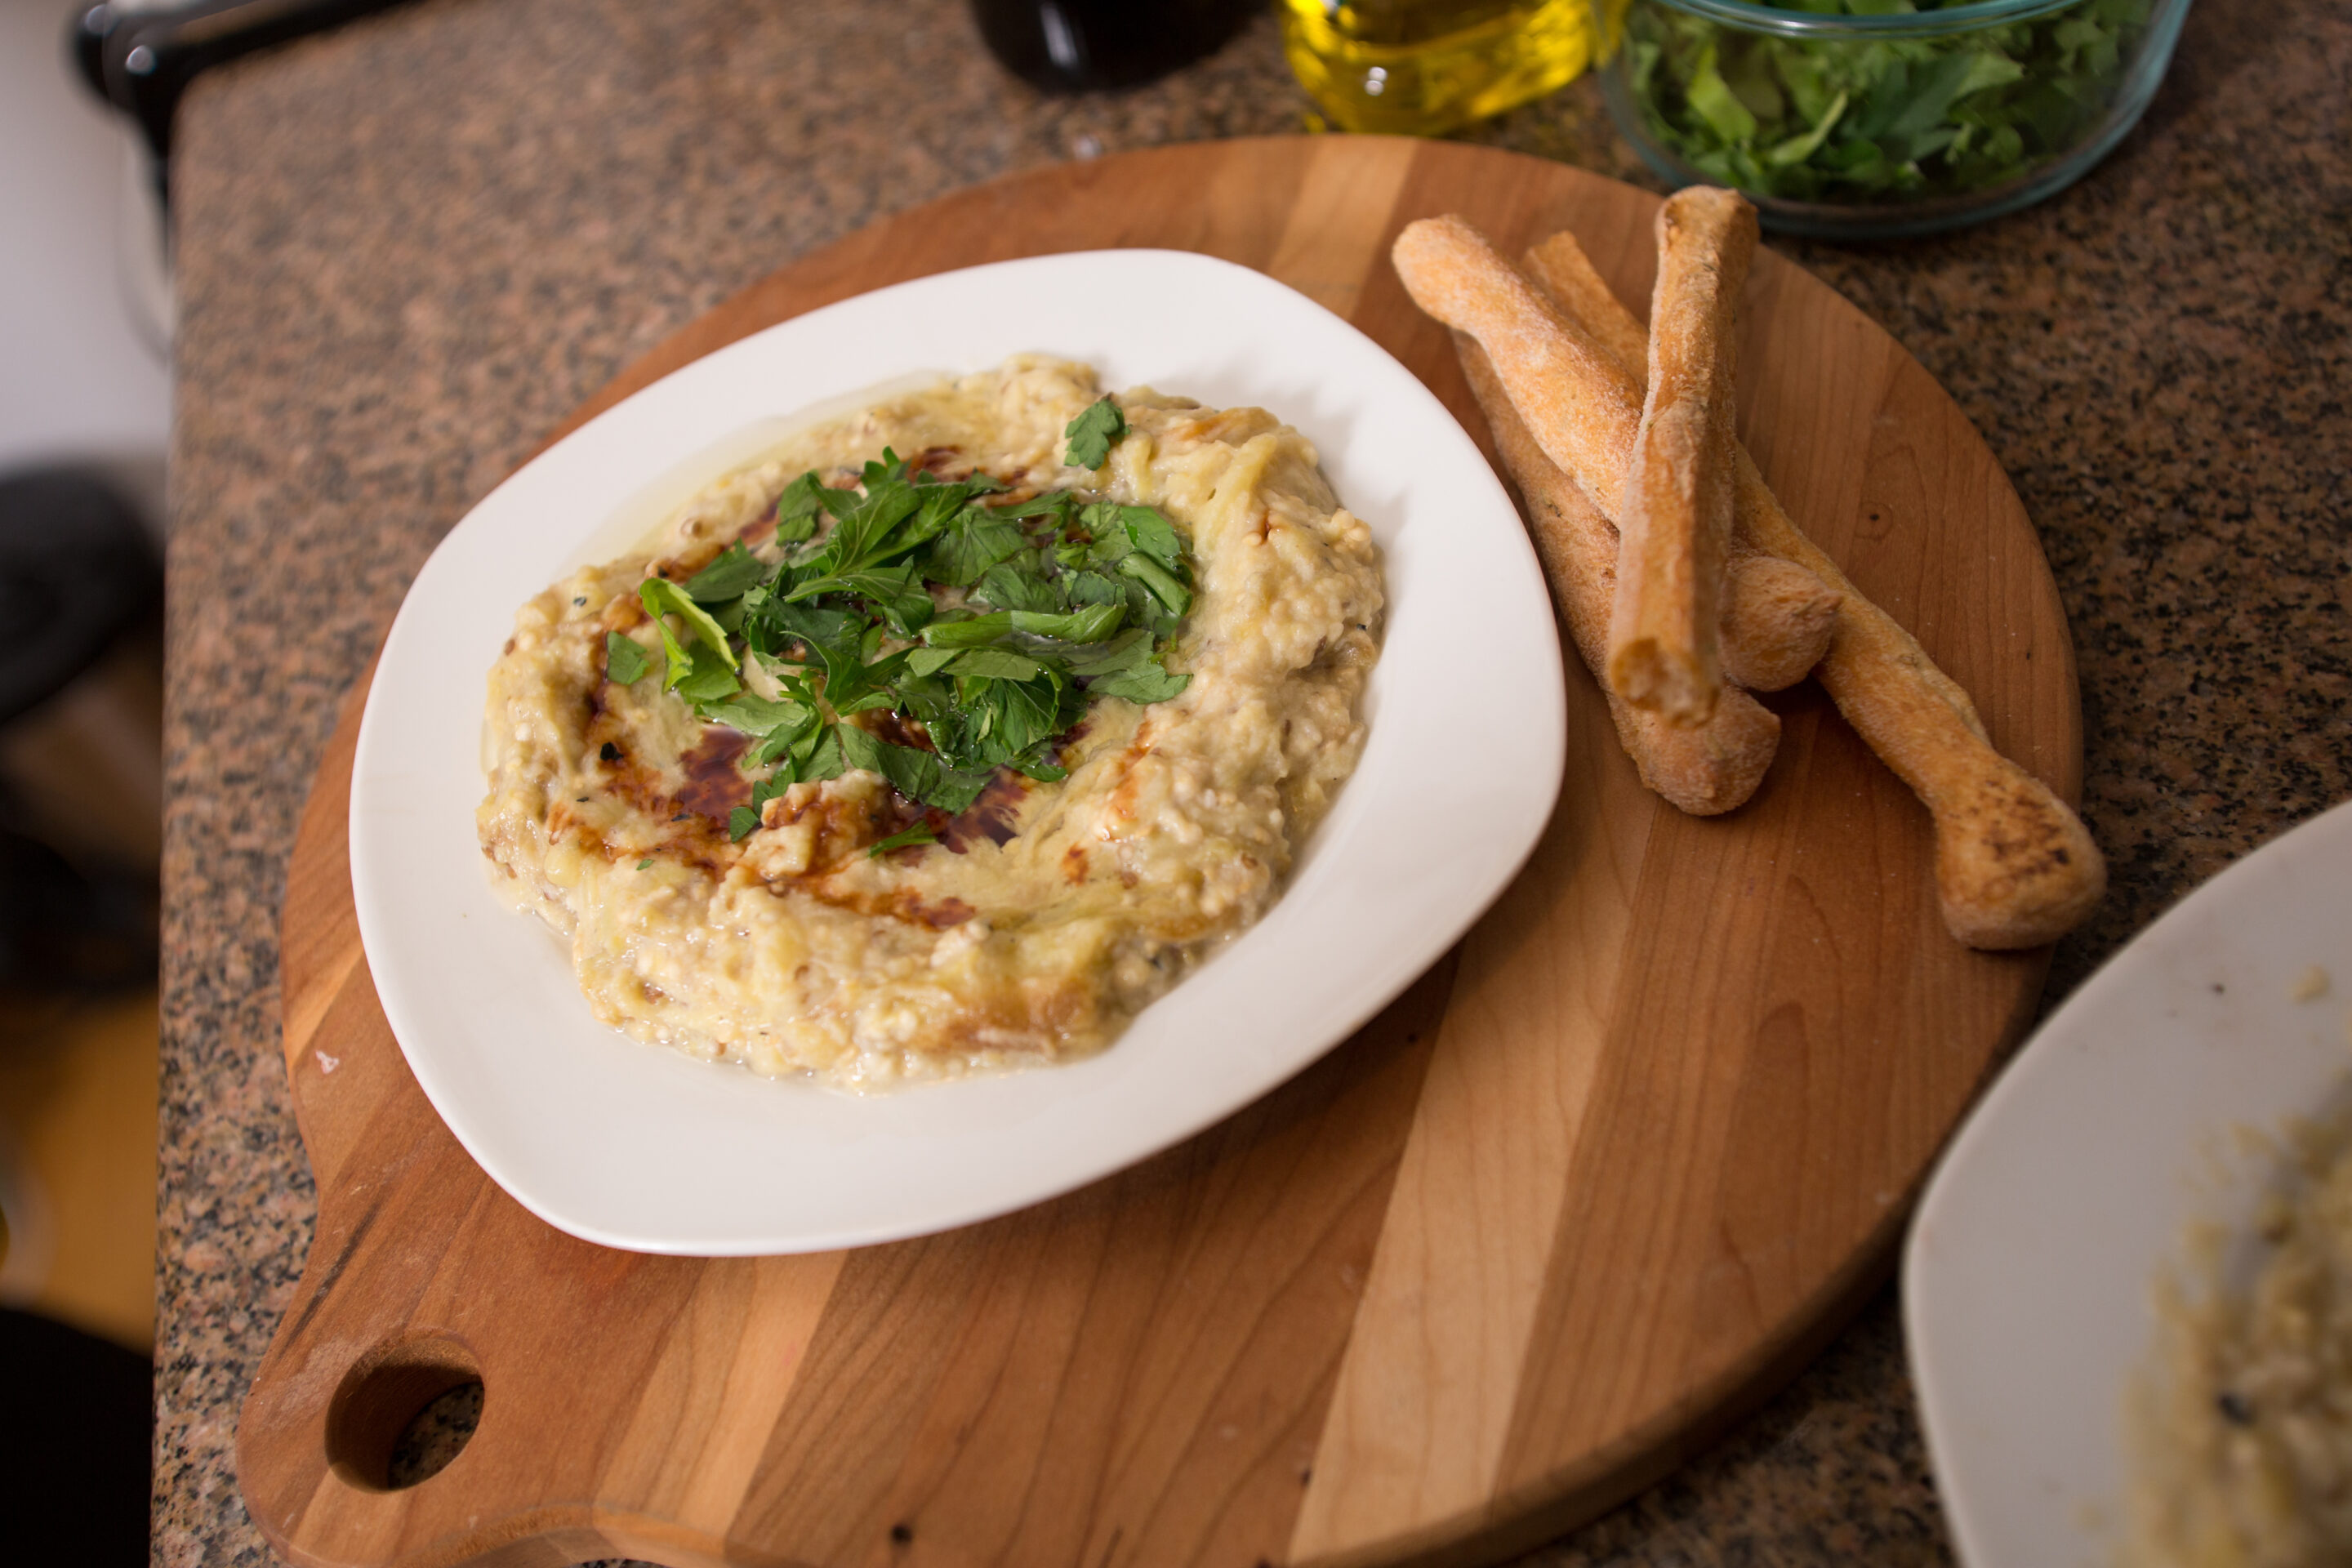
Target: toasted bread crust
2014,866
1778,619
1776,616
1674,520
1705,769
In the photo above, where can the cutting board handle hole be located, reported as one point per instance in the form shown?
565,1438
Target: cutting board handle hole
404,1411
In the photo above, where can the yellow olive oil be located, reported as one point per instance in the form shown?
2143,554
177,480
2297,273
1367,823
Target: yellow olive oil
1424,67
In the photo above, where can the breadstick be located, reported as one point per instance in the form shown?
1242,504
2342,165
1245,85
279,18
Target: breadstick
1777,620
2014,868
1674,524
1777,616
1581,410
1567,277
1584,408
1704,769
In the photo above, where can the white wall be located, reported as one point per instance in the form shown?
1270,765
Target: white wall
76,378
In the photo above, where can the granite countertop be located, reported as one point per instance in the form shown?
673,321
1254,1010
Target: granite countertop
406,249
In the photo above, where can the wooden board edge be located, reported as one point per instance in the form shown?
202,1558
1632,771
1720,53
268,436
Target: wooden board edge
315,955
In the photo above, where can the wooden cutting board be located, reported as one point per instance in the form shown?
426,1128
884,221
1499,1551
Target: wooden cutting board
1607,1174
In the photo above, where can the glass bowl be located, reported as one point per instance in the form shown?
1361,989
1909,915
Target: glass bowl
1870,119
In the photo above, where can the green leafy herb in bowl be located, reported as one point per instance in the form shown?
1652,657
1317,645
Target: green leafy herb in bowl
1878,117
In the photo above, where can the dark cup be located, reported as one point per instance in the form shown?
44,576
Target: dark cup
1080,46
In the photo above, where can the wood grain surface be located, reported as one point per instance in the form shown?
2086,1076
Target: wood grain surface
1602,1179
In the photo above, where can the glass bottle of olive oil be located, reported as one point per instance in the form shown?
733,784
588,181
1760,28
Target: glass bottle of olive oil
1425,66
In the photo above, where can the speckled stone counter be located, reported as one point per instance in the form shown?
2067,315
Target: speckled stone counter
406,249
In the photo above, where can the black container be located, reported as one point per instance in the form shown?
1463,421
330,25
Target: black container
140,60
1079,46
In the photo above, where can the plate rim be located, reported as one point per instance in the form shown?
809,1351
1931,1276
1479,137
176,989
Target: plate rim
1931,1332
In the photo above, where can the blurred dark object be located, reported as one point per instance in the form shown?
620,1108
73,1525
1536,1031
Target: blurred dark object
76,573
80,737
70,929
84,1410
1078,45
142,61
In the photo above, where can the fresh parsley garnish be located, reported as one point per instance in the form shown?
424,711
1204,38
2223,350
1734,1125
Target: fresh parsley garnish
1091,434
983,627
1848,120
725,578
646,862
1143,684
706,659
917,774
919,834
797,508
624,662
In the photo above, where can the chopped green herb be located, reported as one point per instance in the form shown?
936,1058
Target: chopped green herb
986,630
969,547
1161,582
778,625
1125,651
757,715
919,834
824,760
1091,434
797,508
705,678
646,862
1153,534
1145,683
661,596
968,631
1091,624
624,661
1009,587
995,663
725,578
917,775
1866,119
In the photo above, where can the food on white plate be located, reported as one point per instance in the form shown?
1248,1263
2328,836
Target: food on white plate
2241,1430
2014,866
944,739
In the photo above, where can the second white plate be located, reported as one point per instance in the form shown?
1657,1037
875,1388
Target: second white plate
2028,1278
636,1147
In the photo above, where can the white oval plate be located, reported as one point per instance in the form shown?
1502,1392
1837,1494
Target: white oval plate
638,1147
2027,1279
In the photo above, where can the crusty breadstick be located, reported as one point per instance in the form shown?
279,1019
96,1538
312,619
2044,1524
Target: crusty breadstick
2014,868
1777,620
1568,279
1674,523
1703,769
1581,410
1776,616
1586,409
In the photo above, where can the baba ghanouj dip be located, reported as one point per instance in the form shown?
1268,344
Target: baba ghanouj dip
945,738
2240,1426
